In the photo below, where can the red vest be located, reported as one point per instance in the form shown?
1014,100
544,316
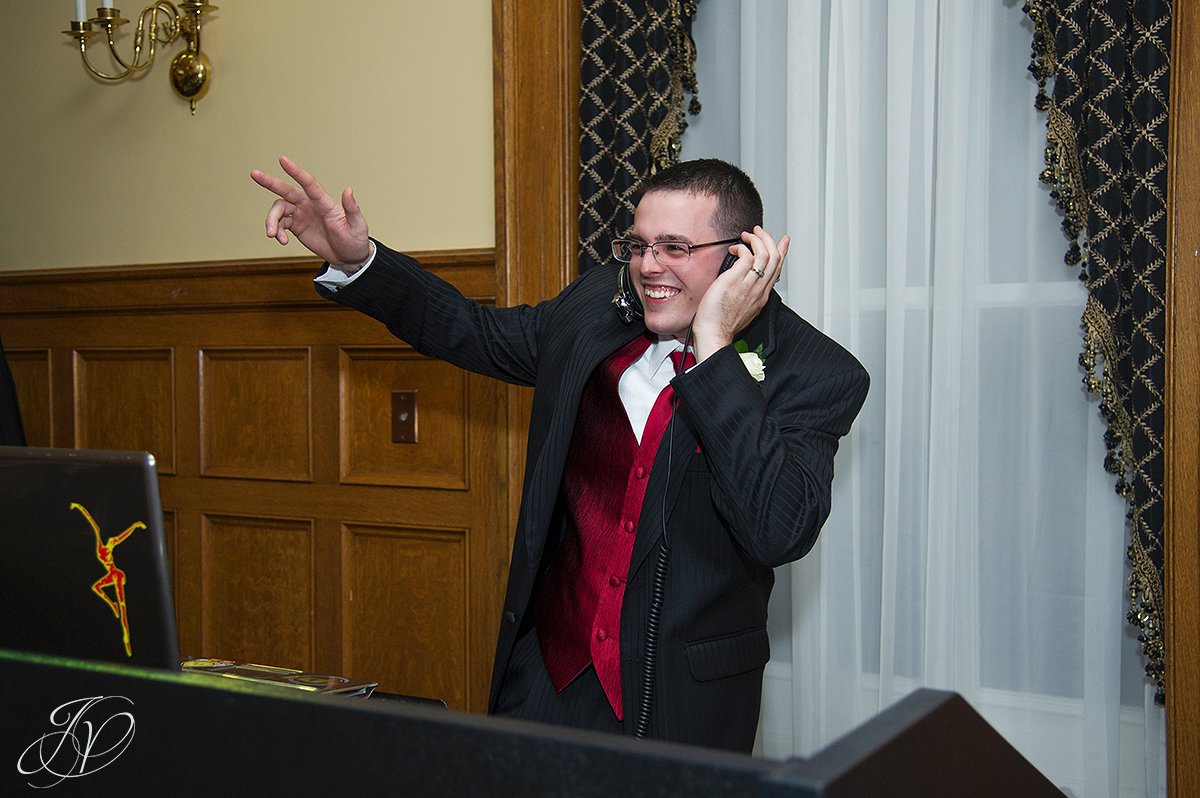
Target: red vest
578,602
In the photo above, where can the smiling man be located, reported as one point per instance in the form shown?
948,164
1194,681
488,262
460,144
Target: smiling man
666,474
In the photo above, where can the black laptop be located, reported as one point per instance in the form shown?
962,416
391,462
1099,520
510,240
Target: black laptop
83,557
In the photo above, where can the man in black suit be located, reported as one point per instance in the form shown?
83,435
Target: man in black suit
657,499
12,433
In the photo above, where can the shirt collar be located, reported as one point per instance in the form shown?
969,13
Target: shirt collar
659,353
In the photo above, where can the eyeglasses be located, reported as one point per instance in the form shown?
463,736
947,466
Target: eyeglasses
668,253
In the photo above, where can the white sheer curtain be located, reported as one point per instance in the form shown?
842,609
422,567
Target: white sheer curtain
976,544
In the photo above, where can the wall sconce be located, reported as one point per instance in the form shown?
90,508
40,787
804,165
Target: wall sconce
190,70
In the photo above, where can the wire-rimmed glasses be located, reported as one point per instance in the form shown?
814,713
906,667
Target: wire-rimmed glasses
668,253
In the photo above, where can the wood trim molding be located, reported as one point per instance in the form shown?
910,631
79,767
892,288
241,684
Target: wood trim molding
536,56
281,283
1182,433
535,49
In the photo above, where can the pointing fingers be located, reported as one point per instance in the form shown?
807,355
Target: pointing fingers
311,188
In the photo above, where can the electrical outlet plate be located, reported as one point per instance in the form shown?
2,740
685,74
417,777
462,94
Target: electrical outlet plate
404,416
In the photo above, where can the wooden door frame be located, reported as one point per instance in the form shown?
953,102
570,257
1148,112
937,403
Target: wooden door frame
1182,411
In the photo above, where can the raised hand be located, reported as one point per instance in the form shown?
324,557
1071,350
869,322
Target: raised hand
335,232
740,294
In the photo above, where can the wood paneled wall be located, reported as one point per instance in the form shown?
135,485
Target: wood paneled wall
300,533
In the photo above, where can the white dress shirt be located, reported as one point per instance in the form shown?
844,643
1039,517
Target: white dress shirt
643,381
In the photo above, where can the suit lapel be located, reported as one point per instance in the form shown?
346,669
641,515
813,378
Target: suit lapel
666,477
761,331
663,488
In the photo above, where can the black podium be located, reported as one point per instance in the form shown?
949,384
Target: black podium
76,728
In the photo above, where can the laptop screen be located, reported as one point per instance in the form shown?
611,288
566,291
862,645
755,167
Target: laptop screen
85,557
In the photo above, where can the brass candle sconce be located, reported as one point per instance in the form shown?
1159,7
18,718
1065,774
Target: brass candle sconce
161,23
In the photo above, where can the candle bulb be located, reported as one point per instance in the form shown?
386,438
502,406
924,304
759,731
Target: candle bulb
81,10
106,4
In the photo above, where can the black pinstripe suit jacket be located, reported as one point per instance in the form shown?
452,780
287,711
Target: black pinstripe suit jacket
747,489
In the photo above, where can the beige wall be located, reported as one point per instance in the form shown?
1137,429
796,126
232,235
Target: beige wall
393,97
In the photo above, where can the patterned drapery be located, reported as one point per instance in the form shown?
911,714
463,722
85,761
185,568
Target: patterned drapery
638,60
1106,159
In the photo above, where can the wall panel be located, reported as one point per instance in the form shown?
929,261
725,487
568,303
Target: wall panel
254,413
125,398
257,576
406,606
31,373
370,380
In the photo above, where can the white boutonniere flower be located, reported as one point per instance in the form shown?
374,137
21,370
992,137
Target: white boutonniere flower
753,361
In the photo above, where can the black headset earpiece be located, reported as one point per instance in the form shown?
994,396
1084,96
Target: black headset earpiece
629,307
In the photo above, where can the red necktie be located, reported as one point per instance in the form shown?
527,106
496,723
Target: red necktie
678,358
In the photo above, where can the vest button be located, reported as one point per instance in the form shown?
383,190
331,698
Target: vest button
641,472
628,526
601,636
614,580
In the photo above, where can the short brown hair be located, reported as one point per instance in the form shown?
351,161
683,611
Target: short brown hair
739,207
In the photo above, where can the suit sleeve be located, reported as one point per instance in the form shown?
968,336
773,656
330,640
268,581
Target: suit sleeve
770,445
438,321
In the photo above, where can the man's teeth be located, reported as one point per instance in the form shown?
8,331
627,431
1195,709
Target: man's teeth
661,293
